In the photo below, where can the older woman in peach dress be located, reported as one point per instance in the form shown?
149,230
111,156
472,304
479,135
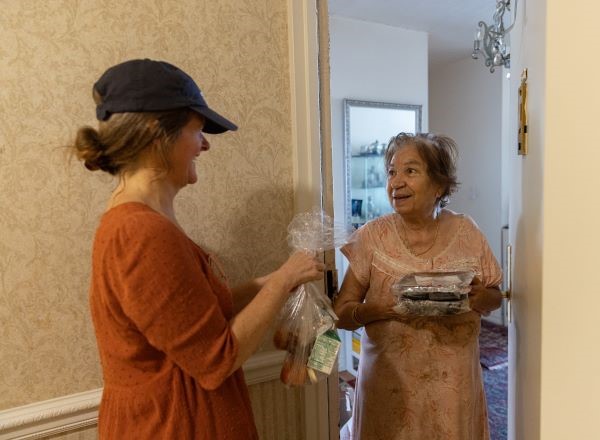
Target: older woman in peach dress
419,377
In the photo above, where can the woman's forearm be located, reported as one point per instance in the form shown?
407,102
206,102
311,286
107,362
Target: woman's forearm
245,292
354,314
345,314
252,323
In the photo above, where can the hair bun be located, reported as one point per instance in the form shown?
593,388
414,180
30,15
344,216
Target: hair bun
101,162
92,151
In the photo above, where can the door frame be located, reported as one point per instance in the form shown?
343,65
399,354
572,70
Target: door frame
312,171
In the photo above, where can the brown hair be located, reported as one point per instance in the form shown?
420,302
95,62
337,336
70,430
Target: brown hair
438,152
118,142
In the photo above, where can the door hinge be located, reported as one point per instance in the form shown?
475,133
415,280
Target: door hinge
507,291
331,281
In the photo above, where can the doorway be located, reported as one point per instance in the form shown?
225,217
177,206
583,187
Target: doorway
372,59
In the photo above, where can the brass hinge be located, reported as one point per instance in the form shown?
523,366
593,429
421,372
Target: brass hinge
331,283
507,291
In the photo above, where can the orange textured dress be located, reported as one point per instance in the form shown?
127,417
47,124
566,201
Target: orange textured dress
161,316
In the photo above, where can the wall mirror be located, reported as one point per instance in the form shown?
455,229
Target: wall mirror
368,126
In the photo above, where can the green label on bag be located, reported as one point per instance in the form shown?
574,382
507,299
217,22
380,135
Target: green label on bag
324,352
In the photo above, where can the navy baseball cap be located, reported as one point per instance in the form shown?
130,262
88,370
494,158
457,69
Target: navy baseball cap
154,86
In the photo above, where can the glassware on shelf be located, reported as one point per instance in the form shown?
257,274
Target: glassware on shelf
372,176
372,211
356,210
367,185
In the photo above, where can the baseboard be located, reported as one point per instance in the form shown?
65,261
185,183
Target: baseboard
76,411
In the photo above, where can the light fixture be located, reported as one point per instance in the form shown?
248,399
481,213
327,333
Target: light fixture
492,41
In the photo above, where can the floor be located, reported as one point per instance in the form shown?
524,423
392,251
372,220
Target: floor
493,342
496,386
347,382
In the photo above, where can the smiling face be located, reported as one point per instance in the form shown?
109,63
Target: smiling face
188,146
411,191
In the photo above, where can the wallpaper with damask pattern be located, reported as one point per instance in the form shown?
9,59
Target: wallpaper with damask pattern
51,53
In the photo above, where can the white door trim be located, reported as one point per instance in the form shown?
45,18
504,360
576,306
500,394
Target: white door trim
304,84
306,145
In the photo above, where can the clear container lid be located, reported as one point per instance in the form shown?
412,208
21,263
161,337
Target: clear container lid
434,286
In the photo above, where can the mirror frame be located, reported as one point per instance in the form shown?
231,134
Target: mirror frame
348,105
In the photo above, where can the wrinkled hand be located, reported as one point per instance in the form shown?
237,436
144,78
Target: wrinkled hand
301,268
477,297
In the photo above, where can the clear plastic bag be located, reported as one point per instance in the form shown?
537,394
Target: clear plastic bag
315,231
433,293
305,327
306,317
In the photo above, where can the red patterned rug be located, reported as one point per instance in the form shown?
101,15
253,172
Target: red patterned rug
493,345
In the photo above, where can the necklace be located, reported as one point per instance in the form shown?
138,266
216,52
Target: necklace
404,238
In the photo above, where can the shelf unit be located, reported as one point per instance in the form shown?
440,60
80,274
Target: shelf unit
368,194
351,354
368,197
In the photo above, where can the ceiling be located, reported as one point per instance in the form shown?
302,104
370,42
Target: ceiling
451,24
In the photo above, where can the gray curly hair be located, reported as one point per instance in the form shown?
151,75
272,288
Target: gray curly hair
439,153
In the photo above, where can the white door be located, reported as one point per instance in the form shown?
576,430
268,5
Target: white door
525,184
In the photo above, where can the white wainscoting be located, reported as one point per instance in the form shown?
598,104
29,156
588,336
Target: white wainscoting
51,417
76,411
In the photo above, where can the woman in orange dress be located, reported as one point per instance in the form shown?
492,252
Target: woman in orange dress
419,377
172,335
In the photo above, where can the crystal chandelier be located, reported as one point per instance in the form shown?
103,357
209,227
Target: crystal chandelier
492,41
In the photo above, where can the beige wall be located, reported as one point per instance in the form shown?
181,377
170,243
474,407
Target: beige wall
51,53
80,434
570,379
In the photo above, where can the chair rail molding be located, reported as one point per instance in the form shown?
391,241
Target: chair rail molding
76,411
50,417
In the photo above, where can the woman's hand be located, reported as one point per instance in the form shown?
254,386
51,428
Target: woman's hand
300,268
484,300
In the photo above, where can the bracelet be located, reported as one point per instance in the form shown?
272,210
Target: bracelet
355,317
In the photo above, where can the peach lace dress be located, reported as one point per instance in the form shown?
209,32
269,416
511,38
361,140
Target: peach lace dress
419,378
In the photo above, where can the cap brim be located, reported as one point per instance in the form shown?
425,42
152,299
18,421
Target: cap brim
215,123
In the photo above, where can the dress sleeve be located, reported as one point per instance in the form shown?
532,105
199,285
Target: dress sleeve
359,252
491,273
162,288
490,269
